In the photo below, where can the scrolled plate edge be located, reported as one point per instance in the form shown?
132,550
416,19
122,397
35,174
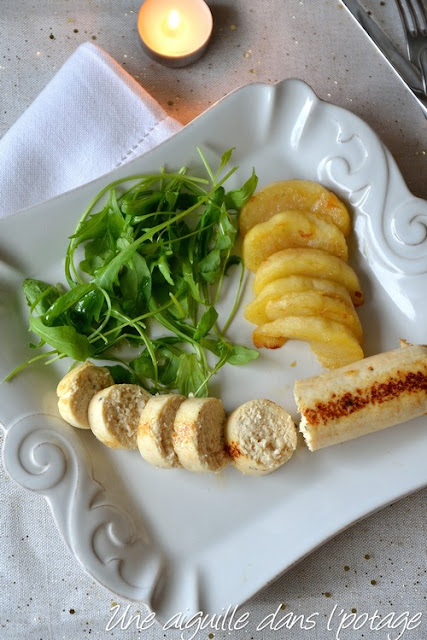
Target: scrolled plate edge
350,156
44,455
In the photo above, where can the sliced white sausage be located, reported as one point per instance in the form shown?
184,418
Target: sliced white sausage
155,430
76,390
114,414
260,436
199,434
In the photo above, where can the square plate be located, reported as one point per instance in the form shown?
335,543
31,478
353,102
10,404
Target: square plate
181,542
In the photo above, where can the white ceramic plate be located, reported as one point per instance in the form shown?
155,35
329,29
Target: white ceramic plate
181,542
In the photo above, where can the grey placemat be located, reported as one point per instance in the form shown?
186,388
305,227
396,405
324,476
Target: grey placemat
378,564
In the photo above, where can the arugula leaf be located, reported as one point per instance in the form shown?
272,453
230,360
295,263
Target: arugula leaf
156,251
208,220
238,197
141,203
210,266
168,361
190,376
66,301
225,159
92,227
212,345
108,274
40,294
226,233
241,355
164,269
122,375
135,285
115,220
64,339
205,323
143,365
189,279
88,310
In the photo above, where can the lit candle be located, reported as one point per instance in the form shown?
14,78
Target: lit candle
175,32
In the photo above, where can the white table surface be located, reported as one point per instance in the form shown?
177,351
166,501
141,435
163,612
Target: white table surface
377,564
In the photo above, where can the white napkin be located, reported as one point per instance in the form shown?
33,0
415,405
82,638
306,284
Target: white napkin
91,118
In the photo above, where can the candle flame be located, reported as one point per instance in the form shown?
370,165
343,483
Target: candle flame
173,20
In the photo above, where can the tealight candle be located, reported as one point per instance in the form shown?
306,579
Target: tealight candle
175,32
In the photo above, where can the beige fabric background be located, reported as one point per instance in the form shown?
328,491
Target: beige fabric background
378,564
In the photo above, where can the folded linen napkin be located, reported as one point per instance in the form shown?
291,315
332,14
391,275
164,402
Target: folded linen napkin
90,118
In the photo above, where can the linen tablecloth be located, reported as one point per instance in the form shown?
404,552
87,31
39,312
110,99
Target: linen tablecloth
376,565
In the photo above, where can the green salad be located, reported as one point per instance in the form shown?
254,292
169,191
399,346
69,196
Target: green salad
154,254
